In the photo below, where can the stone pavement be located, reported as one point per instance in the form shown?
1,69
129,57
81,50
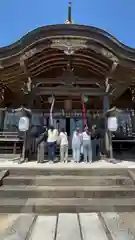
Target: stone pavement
63,226
66,226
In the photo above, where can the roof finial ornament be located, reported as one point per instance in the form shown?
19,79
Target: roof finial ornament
69,20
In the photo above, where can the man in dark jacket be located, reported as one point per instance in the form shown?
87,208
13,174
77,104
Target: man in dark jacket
41,146
95,137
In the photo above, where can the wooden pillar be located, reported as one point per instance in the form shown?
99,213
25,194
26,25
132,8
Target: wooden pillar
106,108
106,103
2,118
108,134
68,105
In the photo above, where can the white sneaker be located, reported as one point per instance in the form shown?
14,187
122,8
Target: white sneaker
51,162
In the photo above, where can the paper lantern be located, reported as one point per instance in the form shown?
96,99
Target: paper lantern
112,124
68,105
50,99
23,124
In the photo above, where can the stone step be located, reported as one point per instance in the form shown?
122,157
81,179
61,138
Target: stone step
8,156
67,180
77,170
67,191
67,205
3,173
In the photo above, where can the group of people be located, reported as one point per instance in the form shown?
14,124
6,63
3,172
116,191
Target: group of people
85,145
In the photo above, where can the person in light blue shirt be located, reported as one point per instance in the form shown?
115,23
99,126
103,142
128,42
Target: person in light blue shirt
76,145
87,148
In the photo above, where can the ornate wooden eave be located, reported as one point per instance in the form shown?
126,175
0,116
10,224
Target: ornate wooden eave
88,32
47,50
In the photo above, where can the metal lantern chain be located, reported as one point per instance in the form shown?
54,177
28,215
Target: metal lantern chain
2,92
132,89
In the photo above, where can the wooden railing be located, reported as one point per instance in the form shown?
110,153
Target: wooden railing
9,137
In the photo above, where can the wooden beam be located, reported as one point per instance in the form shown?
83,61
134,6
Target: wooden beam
119,91
79,64
58,80
48,62
58,54
60,67
66,91
64,60
45,57
81,55
11,68
79,80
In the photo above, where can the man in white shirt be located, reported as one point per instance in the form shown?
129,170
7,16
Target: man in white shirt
63,140
52,143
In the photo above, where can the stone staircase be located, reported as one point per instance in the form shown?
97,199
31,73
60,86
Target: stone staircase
68,190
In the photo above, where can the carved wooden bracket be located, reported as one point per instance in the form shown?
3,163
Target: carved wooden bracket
28,86
104,52
28,54
31,52
1,66
107,84
69,45
109,55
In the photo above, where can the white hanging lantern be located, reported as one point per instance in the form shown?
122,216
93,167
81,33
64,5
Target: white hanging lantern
85,98
112,124
51,99
23,124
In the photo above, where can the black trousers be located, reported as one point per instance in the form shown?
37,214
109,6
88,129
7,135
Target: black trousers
27,154
95,149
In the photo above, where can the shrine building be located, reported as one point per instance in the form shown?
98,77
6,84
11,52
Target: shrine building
70,62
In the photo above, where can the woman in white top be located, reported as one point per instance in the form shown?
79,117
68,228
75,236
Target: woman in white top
87,149
76,145
63,140
52,143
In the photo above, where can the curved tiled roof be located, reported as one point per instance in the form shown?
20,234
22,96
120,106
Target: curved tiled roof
68,29
39,55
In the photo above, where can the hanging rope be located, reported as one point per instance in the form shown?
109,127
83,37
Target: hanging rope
84,111
51,109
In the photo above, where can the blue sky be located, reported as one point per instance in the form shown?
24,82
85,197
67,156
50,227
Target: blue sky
17,17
